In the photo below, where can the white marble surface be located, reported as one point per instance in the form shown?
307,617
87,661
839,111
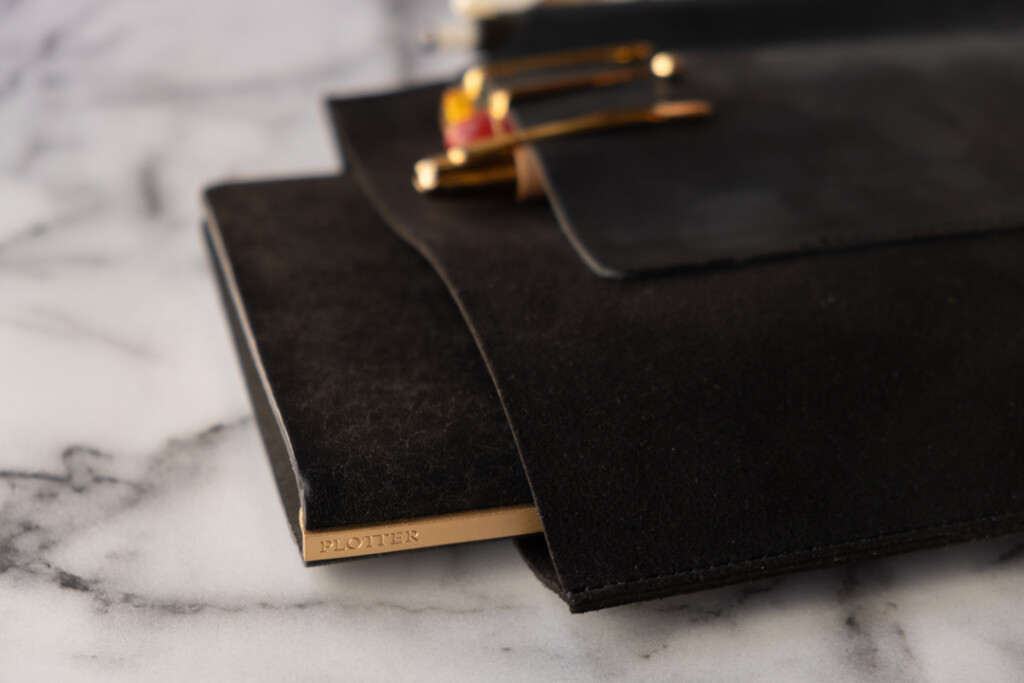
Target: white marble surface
140,533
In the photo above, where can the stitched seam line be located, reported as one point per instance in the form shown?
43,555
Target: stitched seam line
789,553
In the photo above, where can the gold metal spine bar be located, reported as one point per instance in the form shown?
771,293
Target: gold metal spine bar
424,532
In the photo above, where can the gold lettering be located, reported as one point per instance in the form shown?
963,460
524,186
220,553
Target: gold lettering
381,540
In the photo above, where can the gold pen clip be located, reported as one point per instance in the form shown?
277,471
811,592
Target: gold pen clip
476,78
478,106
448,170
663,65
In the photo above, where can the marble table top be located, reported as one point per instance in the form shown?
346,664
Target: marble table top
140,533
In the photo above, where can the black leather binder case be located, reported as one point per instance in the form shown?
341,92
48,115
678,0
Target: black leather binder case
372,401
815,355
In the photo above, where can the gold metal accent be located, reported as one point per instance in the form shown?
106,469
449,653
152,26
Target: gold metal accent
662,65
482,163
603,120
424,532
427,177
520,171
475,78
499,103
667,64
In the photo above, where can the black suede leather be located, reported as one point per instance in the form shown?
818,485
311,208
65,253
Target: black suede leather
385,404
815,144
714,426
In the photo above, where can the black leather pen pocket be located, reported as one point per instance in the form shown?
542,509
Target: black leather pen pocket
873,138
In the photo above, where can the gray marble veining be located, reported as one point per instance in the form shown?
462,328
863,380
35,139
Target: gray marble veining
140,533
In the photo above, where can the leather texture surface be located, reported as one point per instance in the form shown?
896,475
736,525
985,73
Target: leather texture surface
387,408
896,132
718,425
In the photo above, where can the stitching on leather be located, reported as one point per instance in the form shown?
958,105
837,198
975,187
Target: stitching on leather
789,553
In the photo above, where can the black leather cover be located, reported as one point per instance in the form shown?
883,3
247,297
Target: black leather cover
385,408
708,426
722,424
823,138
